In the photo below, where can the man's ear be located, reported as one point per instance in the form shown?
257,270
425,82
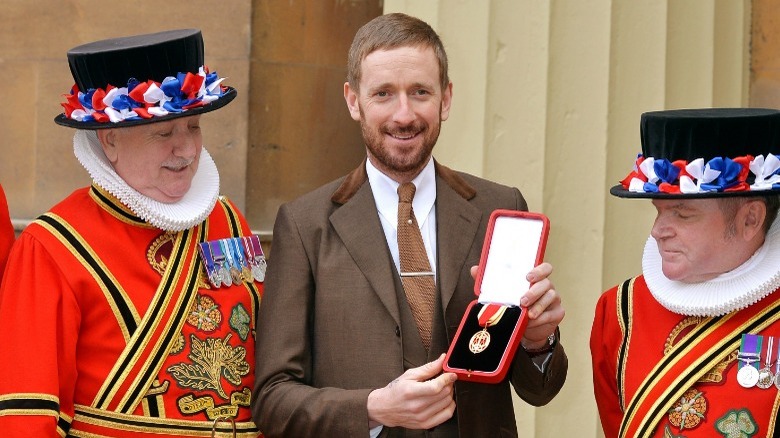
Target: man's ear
753,218
108,139
446,101
351,96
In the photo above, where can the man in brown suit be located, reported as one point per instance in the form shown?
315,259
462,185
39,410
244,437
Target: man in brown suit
339,353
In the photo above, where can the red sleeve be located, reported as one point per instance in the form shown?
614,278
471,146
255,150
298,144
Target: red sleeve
6,232
39,323
605,338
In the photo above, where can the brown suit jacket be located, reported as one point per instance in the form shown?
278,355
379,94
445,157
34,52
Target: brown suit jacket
328,332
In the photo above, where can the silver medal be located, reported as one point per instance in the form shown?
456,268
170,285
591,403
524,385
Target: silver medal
215,277
226,280
258,268
747,377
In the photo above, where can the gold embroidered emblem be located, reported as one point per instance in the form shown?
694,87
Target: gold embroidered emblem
668,433
157,388
177,345
189,405
689,410
159,251
204,314
715,375
212,360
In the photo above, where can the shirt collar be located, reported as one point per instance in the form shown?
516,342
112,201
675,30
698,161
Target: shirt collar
385,191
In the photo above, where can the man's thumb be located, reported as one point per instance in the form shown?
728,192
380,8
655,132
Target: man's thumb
427,371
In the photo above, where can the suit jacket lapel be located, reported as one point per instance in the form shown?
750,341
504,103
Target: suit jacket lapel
357,224
457,225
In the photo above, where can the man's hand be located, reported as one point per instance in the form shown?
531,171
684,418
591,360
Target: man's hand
545,311
420,398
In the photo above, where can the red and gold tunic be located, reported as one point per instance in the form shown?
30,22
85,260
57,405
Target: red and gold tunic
6,232
643,352
111,328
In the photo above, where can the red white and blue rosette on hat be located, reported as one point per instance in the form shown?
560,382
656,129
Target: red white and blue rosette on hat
143,102
719,176
705,153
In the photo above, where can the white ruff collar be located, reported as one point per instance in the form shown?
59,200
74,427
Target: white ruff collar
747,284
189,211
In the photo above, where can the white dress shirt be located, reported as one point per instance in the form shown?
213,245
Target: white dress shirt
385,191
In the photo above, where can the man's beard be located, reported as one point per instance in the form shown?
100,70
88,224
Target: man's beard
375,142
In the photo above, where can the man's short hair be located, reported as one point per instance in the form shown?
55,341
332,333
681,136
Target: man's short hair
772,207
392,31
729,206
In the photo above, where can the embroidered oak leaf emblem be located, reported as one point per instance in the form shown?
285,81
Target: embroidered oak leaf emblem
212,360
668,433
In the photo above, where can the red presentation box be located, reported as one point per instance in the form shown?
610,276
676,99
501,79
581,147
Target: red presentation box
514,243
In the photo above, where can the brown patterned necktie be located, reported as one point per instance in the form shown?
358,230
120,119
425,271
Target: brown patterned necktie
416,274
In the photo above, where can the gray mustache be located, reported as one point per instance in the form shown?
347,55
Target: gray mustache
178,164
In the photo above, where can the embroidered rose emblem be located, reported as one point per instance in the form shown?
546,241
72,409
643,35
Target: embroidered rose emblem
205,314
689,411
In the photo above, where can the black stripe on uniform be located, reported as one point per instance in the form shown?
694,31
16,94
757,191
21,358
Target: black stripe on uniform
116,296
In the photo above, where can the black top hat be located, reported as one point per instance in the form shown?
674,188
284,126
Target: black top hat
706,153
141,79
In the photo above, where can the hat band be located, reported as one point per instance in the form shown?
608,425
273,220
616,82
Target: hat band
720,174
144,100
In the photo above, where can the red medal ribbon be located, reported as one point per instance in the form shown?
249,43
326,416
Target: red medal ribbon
489,314
770,352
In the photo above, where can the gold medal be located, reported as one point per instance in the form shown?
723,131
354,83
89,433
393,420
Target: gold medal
488,315
246,273
232,265
235,274
242,263
480,341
